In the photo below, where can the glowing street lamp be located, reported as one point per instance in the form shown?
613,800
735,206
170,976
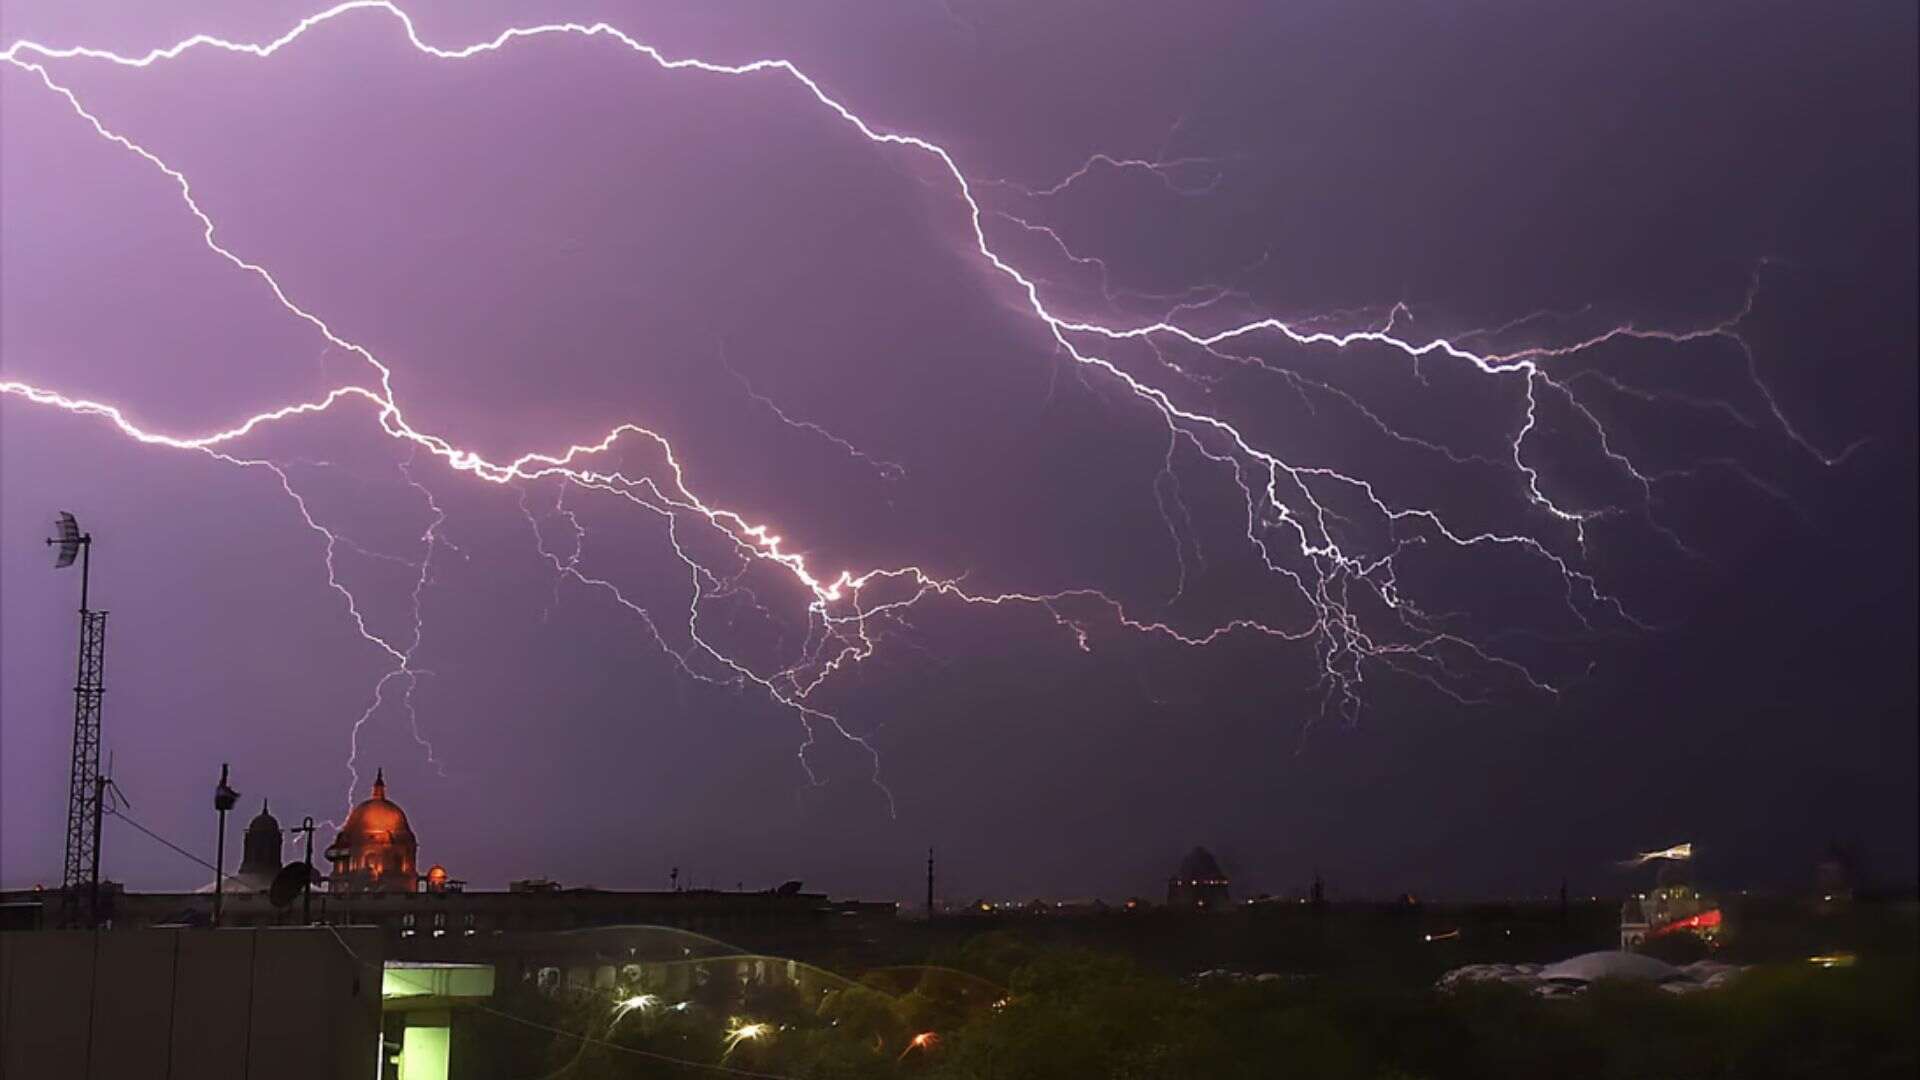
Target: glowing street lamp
641,1003
924,1041
740,1033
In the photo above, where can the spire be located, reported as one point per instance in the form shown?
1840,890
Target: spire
380,783
263,806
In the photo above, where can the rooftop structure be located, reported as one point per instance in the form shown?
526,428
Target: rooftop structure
375,851
260,854
1199,883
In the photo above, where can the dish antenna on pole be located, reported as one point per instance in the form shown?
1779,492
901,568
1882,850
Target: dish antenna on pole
292,880
70,540
85,790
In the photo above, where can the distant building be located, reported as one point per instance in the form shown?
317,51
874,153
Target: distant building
431,946
1633,922
1199,883
1673,907
375,851
435,917
260,856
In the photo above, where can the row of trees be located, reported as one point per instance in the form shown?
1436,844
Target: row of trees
1001,1009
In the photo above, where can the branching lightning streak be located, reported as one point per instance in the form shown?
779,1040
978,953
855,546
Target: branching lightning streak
403,668
1284,501
1166,170
1676,853
430,541
1528,319
887,470
1186,301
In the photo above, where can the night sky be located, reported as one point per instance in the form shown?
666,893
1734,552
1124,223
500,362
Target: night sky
549,240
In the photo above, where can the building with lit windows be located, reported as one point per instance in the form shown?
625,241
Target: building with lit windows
1673,907
1199,884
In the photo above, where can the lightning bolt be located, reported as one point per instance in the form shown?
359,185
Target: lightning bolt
1168,171
1303,522
1676,853
886,470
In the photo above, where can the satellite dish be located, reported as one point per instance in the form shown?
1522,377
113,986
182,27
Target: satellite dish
69,540
791,888
289,883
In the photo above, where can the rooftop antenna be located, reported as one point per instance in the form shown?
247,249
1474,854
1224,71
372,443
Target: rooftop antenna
224,798
81,872
306,891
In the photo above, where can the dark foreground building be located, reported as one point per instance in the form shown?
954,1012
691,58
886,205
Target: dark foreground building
294,1004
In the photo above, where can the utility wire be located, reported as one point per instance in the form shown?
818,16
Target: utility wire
122,815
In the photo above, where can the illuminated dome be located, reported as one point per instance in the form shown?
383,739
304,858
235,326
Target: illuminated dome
375,851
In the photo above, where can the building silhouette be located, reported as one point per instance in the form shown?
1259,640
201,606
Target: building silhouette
1199,883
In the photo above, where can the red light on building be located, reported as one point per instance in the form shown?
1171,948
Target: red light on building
1704,923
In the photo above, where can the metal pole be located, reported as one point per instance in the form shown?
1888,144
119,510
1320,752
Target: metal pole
223,799
93,875
306,894
219,867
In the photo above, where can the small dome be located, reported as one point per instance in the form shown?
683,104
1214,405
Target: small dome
263,821
260,850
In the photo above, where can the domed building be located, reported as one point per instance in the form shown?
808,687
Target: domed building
260,857
1200,882
375,851
1674,906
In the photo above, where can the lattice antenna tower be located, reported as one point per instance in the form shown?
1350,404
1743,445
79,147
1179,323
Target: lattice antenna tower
81,873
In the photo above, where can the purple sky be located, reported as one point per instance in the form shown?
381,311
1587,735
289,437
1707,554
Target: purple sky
549,240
